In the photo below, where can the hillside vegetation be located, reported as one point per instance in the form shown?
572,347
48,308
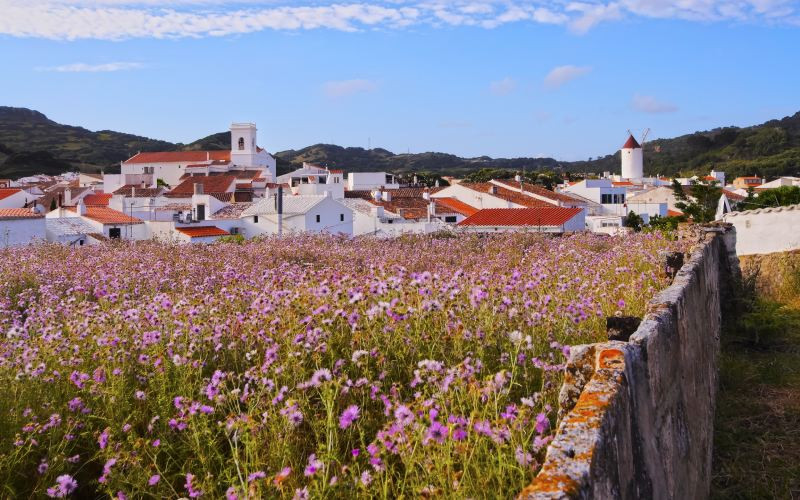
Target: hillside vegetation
31,143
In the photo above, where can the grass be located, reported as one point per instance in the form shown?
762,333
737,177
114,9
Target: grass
757,429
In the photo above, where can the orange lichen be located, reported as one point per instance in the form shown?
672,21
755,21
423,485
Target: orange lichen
610,358
550,482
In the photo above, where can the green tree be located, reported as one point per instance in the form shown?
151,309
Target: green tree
634,221
779,197
667,224
700,204
53,205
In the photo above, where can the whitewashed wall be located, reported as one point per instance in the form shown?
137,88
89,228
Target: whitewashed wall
766,230
15,232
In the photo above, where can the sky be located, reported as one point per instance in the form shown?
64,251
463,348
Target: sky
504,78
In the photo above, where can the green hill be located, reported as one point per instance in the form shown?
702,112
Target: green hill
31,143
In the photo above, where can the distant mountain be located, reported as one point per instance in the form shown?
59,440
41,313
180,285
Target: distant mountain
31,143
23,132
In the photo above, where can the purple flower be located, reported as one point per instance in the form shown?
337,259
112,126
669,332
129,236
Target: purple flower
301,494
65,484
314,465
103,439
349,415
154,479
523,457
355,452
542,423
436,432
230,494
256,475
191,488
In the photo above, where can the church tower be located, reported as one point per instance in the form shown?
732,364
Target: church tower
243,144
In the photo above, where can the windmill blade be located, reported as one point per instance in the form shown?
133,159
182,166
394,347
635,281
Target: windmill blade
644,135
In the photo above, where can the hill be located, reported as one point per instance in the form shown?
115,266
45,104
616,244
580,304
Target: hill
32,143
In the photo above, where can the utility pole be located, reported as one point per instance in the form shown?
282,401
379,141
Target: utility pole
279,209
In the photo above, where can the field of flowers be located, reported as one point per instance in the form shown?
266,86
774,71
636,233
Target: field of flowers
302,367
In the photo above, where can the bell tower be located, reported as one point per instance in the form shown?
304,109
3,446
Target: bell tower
243,144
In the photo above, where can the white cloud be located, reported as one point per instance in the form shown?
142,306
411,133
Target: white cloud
93,68
560,75
503,87
125,19
346,88
649,104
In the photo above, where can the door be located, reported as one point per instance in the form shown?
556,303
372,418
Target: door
201,212
115,233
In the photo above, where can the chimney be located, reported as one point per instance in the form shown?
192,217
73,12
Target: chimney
68,197
387,196
81,208
376,195
415,179
143,185
426,195
492,189
198,188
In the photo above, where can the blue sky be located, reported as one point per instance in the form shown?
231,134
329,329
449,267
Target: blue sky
501,78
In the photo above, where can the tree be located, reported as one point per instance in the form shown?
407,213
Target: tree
668,224
700,204
633,221
779,197
53,205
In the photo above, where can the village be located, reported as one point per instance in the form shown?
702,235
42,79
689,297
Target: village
201,196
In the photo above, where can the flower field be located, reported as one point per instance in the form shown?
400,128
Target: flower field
303,367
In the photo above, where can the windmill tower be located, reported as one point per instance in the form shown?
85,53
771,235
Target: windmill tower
633,157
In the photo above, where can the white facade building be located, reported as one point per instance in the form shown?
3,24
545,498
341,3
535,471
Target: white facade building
171,166
766,230
21,226
365,181
314,214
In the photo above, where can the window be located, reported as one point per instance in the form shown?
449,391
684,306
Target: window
341,217
201,212
255,219
336,180
317,218
450,218
605,199
115,233
241,143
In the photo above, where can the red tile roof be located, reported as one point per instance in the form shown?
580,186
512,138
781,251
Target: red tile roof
202,231
98,199
6,192
631,143
18,213
336,171
551,216
507,194
622,183
105,215
537,190
212,184
674,213
179,157
455,205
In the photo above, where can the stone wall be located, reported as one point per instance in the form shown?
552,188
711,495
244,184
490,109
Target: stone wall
637,417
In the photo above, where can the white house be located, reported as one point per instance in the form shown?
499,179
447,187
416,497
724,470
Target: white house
108,222
317,214
72,231
14,198
374,219
766,230
604,193
311,180
171,166
780,181
361,181
21,226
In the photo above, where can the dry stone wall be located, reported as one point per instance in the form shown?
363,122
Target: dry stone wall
637,417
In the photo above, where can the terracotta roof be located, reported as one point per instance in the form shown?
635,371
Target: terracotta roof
455,205
622,183
730,194
179,157
202,231
6,192
631,143
98,199
507,194
674,213
105,215
137,191
709,178
412,192
211,184
18,213
537,190
509,217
